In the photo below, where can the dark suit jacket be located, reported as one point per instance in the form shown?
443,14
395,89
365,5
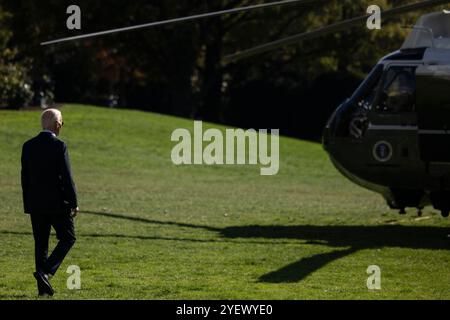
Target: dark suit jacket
47,183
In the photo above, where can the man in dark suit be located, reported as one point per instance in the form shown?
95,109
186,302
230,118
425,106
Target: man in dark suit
49,196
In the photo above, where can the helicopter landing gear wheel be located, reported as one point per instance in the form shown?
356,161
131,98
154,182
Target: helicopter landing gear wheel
419,212
441,202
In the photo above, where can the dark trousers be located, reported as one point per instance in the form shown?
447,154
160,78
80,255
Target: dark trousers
65,233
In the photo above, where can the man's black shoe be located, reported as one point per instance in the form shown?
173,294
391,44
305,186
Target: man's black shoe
44,286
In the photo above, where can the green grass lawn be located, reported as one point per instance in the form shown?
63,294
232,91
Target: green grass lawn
153,230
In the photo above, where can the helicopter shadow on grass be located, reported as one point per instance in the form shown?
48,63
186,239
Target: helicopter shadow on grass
345,240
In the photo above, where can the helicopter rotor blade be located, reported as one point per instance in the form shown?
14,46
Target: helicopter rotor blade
339,26
182,19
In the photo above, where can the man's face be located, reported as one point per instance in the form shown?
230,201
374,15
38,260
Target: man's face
58,126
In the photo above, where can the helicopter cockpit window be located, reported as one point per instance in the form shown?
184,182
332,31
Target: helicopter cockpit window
366,93
351,118
398,91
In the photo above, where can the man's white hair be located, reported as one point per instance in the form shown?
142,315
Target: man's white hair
49,117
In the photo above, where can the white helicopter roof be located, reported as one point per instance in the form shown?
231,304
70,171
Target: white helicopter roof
431,31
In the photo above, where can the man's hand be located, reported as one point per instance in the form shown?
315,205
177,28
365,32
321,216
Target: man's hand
74,212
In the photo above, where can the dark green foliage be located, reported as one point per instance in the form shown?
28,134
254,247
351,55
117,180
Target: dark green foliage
15,88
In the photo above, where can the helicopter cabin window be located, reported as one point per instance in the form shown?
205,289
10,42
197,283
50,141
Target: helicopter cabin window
398,90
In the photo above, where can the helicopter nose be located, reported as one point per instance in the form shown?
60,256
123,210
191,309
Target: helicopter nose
328,132
326,137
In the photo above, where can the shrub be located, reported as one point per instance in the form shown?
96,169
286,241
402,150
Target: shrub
15,87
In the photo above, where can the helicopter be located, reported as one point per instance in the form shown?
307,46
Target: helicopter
392,136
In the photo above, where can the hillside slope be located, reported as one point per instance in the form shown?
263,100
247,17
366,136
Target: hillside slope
153,230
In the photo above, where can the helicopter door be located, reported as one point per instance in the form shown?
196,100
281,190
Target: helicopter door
392,131
433,107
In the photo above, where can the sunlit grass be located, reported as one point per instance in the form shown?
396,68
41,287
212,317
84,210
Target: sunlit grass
152,230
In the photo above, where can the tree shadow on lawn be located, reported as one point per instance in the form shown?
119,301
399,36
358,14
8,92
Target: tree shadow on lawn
345,240
349,239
